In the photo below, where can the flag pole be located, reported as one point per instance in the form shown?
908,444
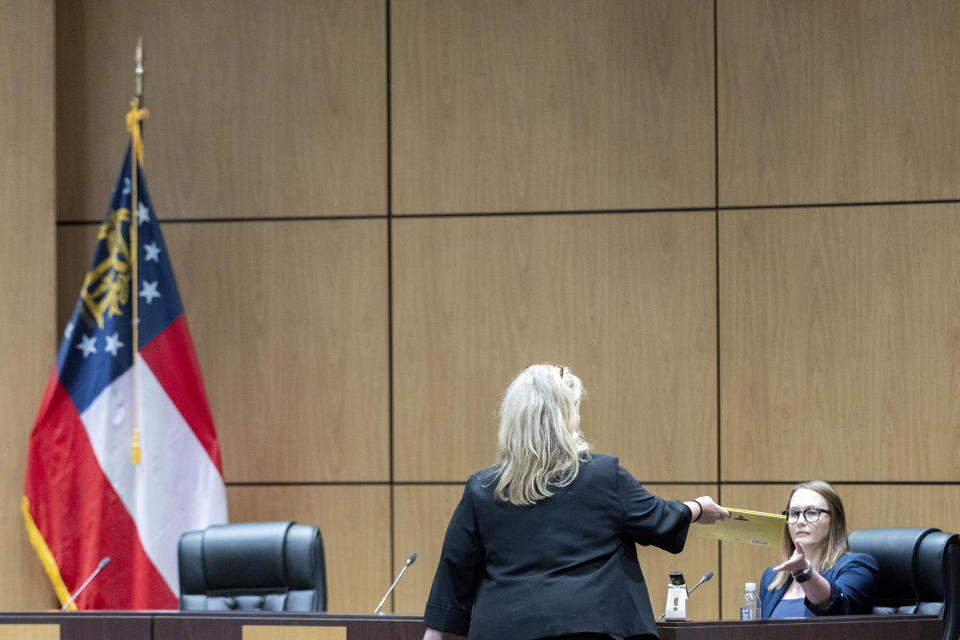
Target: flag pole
134,117
138,72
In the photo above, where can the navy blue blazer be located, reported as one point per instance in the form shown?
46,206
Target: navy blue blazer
564,565
853,583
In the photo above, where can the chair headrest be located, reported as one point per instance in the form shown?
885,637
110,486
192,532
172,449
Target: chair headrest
272,566
933,558
911,562
247,554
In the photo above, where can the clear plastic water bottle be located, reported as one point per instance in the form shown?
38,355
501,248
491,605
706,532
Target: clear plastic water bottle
750,605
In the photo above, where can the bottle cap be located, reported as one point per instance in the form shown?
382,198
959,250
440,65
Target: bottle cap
751,586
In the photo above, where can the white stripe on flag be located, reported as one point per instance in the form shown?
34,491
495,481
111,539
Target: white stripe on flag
176,487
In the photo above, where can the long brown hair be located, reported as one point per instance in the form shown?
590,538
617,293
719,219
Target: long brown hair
836,542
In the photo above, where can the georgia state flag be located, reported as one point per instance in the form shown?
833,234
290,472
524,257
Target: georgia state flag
111,400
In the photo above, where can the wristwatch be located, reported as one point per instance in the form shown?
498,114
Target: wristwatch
802,576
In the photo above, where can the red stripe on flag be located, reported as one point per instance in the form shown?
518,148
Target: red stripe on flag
174,363
81,517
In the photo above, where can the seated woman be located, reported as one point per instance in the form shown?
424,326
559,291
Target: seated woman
820,575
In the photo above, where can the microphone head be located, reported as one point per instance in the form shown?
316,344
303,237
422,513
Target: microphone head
104,562
707,576
411,559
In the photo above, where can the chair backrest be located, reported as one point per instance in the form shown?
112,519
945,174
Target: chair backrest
273,566
919,572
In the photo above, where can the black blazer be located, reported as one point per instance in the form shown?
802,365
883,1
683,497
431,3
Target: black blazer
564,565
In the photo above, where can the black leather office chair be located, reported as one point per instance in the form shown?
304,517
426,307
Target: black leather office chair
919,572
270,566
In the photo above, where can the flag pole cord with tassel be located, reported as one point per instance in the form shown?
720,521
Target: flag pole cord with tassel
135,117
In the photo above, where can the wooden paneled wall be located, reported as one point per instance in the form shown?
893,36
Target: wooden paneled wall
28,261
736,220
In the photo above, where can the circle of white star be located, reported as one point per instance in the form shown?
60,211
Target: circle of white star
152,251
113,344
149,291
143,214
88,344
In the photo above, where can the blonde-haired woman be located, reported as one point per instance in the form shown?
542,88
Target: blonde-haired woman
542,544
819,574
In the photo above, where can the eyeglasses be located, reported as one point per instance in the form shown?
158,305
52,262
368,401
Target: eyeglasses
810,514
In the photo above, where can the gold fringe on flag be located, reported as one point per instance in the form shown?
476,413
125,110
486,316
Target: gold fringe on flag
46,557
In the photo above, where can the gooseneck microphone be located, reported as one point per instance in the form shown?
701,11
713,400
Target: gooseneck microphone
93,575
706,576
406,564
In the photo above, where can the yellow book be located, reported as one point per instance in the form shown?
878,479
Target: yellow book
749,527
